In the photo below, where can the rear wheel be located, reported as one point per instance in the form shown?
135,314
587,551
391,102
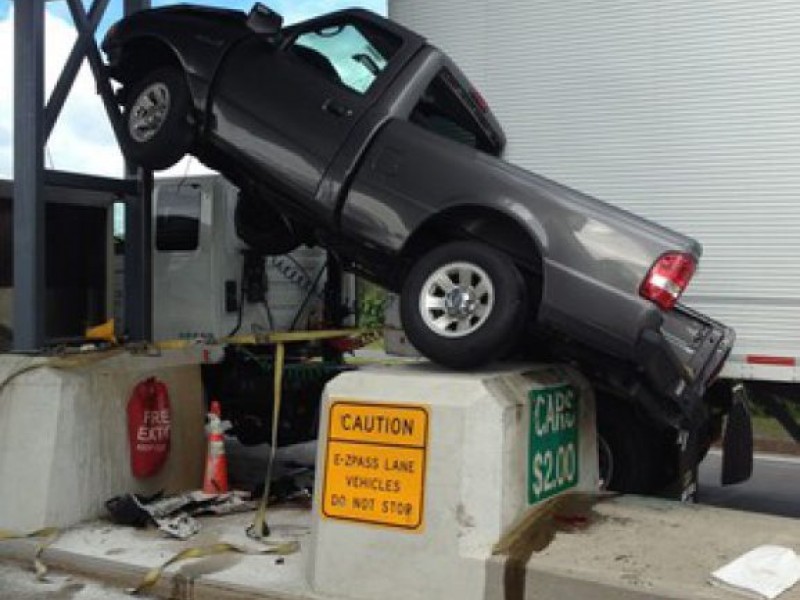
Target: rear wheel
156,131
463,304
634,456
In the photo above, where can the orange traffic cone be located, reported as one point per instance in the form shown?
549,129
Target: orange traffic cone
216,477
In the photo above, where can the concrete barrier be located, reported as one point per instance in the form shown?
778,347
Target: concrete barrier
457,455
64,441
420,472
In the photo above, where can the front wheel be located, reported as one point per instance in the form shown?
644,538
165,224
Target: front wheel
156,132
464,304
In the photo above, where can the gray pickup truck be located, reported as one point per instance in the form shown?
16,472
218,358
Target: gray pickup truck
354,133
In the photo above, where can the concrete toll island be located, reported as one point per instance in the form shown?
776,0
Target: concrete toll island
429,485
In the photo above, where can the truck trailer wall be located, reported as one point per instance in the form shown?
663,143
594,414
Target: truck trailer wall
684,112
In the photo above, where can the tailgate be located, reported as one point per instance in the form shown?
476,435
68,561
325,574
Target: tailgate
700,344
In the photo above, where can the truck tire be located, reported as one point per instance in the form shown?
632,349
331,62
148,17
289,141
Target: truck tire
633,454
156,131
463,304
262,228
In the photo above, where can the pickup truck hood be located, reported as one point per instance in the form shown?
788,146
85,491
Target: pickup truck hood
167,19
194,10
616,218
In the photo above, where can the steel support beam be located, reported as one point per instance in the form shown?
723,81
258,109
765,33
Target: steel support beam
29,267
124,188
139,261
138,240
72,66
83,24
35,121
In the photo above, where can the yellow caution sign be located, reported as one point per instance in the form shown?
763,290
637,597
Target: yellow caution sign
375,464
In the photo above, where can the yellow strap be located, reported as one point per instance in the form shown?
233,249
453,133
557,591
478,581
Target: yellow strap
103,332
293,336
260,529
259,339
49,533
174,344
154,575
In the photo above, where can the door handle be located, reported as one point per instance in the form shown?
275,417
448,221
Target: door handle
336,108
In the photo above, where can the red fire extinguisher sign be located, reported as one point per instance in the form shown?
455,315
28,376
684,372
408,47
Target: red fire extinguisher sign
149,427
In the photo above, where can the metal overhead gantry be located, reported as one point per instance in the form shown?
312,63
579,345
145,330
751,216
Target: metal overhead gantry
33,123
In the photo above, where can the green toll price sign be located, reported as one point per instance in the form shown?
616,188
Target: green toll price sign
553,441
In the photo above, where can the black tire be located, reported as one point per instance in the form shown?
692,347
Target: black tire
262,228
486,337
164,141
633,450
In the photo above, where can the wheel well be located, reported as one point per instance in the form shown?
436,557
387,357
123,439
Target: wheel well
478,223
646,459
143,55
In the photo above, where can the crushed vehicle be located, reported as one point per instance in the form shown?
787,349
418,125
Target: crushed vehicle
352,132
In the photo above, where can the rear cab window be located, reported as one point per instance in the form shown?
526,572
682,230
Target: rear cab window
350,53
447,108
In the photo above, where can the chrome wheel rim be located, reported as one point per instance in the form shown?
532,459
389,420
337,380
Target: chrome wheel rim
149,112
456,300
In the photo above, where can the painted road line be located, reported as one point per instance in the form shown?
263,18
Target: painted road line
764,456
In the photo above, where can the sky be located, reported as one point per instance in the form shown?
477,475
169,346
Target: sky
82,140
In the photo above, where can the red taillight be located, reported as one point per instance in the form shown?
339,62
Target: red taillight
479,100
667,279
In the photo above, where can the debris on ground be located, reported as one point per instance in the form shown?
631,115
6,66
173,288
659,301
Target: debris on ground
766,571
174,515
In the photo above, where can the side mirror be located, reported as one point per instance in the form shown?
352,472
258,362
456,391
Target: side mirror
264,21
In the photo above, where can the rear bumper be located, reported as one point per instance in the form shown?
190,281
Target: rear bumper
665,360
683,358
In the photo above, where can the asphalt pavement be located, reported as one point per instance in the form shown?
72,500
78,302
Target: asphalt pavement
773,489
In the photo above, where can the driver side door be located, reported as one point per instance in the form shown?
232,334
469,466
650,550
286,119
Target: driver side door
288,110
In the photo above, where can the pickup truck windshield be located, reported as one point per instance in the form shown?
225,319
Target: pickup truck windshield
349,54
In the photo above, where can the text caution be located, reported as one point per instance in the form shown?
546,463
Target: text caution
375,464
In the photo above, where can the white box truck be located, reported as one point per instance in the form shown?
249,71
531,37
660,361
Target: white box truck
682,111
206,284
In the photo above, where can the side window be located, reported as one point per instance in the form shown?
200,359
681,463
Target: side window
440,110
178,218
349,54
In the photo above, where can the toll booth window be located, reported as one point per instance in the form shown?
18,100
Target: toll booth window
349,54
178,218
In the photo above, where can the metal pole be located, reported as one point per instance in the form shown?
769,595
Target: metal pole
29,261
84,27
70,70
138,261
138,240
